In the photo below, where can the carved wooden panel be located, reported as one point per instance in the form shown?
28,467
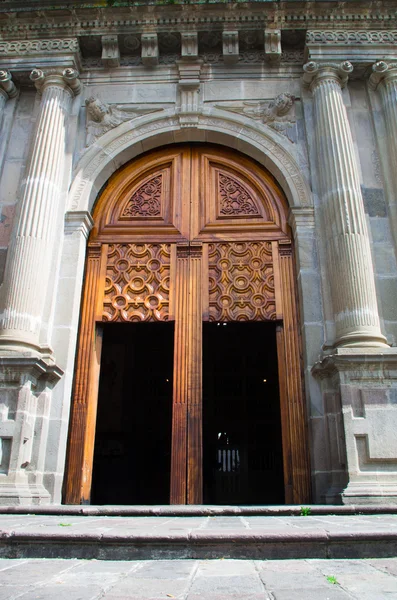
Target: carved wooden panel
234,199
137,284
241,282
146,201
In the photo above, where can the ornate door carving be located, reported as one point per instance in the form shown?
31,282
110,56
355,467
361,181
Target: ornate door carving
189,234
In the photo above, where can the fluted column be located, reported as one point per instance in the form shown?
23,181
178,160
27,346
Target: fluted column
349,260
27,271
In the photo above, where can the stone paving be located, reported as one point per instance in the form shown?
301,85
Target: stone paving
313,579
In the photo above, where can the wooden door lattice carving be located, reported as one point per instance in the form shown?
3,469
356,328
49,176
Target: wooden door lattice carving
146,201
241,282
234,199
137,284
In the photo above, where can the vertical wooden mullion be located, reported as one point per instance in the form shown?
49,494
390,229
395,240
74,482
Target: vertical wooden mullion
195,419
179,407
85,396
298,455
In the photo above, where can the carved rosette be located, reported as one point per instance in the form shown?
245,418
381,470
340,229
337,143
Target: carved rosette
234,199
146,200
137,282
241,282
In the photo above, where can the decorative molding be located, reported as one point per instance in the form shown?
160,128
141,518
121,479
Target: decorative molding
79,221
29,47
277,113
103,117
110,51
351,37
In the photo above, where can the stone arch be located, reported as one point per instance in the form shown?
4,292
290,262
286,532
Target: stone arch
130,139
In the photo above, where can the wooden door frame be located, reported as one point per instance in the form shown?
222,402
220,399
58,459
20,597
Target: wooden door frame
297,475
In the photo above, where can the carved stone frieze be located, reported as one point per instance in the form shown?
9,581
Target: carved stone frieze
355,36
277,113
241,282
137,282
39,46
103,117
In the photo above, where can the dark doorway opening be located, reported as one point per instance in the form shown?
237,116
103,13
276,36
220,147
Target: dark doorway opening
242,444
132,456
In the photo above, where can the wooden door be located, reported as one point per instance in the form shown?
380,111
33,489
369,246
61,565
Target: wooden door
189,234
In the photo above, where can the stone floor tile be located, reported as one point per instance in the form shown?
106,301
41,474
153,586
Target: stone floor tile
105,566
149,588
32,572
388,565
320,593
287,566
290,581
238,585
226,568
165,569
60,592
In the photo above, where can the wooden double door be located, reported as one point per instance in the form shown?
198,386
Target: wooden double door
189,234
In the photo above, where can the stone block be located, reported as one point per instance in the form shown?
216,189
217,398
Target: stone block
310,297
387,293
313,340
384,259
374,202
10,181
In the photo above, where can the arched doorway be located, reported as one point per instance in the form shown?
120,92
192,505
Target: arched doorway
193,237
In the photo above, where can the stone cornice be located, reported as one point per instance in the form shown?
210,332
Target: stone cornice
95,19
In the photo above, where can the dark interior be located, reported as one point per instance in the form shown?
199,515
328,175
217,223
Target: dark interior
241,414
132,455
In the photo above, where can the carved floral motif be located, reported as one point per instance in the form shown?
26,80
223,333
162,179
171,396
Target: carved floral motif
241,282
137,282
146,201
234,199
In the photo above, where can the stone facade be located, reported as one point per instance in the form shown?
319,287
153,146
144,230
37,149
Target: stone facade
306,89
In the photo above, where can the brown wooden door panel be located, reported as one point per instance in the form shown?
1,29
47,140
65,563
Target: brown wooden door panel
189,234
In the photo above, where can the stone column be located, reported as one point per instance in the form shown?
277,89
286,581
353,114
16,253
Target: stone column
383,80
349,260
7,89
27,271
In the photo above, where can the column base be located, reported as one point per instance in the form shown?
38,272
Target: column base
370,492
25,393
14,494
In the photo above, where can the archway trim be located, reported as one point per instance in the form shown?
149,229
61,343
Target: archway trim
130,139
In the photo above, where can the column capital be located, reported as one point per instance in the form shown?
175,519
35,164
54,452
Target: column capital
382,72
317,71
7,85
66,78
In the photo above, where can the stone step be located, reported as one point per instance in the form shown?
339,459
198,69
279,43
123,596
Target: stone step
114,536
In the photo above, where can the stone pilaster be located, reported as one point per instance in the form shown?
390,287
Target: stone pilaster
27,271
349,260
